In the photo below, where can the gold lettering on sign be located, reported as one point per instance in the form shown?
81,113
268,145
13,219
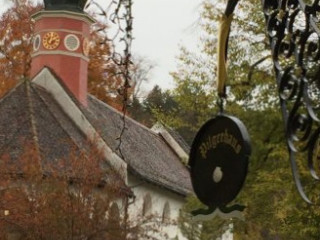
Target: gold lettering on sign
224,137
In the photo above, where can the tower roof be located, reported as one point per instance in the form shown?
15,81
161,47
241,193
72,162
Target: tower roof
70,5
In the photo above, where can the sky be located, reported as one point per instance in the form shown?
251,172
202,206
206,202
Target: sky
159,28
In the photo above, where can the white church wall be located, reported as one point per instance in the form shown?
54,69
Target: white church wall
160,199
228,235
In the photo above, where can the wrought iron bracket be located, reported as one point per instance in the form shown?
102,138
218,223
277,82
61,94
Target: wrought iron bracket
294,32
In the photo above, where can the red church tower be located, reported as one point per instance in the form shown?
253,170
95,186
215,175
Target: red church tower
61,42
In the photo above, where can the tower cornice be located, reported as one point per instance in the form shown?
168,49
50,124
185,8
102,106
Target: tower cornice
63,14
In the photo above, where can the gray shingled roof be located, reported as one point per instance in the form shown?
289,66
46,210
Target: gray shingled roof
31,113
146,153
178,138
31,117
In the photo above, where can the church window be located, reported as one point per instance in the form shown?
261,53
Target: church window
166,212
114,212
147,205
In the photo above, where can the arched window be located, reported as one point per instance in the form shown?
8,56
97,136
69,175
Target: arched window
166,212
114,223
114,212
147,205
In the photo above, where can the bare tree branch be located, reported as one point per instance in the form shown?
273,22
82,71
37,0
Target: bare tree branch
253,66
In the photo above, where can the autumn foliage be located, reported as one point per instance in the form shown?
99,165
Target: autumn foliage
16,37
78,197
103,80
15,44
70,198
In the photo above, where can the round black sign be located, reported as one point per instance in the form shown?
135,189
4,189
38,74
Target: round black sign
219,160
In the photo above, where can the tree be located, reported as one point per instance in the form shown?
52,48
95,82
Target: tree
274,209
78,197
193,95
140,106
103,80
74,198
140,74
157,100
66,199
16,35
15,44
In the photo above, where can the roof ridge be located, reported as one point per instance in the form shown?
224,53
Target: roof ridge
48,80
53,115
33,123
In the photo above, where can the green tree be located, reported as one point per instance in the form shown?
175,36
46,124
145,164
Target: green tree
274,208
194,100
157,100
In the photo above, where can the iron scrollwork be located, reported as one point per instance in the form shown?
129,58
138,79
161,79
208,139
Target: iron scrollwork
293,28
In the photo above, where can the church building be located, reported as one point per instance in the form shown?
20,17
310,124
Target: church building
54,109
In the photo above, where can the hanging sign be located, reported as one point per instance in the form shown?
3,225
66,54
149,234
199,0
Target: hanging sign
219,162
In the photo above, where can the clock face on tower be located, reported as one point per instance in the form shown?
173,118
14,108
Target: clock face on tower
51,40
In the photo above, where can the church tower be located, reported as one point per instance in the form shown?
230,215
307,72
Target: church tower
61,42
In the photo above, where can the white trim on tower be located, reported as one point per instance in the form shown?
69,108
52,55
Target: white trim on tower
60,52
